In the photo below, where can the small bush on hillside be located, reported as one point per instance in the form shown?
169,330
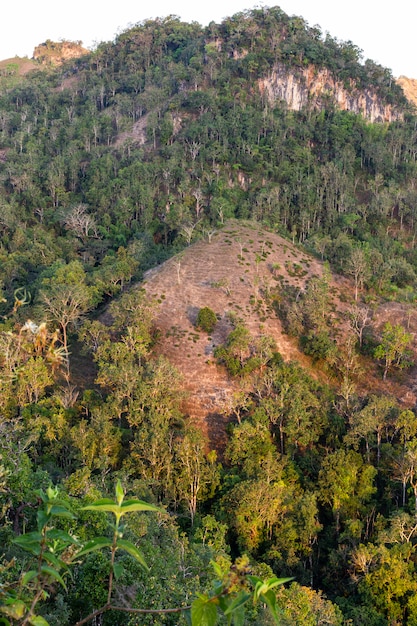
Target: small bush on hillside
206,320
317,345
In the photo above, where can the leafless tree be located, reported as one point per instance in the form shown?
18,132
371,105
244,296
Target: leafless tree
80,222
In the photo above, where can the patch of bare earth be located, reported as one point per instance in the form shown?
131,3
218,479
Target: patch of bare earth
20,65
137,134
234,274
401,384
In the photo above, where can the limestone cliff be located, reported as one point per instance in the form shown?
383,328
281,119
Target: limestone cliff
55,53
409,86
316,87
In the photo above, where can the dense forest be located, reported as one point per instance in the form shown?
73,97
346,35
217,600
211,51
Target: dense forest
114,508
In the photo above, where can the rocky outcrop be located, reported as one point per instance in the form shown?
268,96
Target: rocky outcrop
316,87
55,53
409,87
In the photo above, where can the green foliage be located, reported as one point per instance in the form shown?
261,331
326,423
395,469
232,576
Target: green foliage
206,320
241,354
231,593
299,604
318,345
47,546
107,164
394,348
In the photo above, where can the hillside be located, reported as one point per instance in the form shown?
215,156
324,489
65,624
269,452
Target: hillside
232,274
239,274
256,174
16,66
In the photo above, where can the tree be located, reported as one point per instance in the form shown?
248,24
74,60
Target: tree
346,483
294,404
405,469
369,424
302,605
394,347
386,580
358,267
79,221
67,296
359,318
197,473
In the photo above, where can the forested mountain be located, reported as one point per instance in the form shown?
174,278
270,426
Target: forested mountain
207,297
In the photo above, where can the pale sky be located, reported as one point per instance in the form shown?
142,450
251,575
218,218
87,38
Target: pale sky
385,32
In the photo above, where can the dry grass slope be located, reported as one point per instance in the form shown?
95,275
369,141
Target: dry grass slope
234,274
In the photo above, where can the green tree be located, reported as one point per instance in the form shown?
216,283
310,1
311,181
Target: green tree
394,348
358,267
302,605
371,423
346,483
196,472
67,296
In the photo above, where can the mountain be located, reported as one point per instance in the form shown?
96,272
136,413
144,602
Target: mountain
208,282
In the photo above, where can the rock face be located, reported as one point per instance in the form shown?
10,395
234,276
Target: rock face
409,86
55,53
313,87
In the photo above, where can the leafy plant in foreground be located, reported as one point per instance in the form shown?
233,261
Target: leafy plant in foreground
230,593
49,547
53,551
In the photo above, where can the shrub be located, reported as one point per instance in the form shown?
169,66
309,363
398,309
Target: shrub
206,319
317,345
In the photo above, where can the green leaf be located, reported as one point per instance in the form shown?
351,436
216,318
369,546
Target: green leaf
118,570
119,493
61,511
239,616
30,542
43,518
28,576
15,609
217,569
104,504
37,620
61,535
274,581
50,571
271,600
137,505
261,587
133,551
203,612
241,598
28,537
52,559
98,543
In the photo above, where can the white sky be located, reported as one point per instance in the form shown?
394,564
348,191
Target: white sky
385,34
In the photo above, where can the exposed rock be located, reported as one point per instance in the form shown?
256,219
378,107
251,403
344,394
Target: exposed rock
315,87
55,53
409,86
